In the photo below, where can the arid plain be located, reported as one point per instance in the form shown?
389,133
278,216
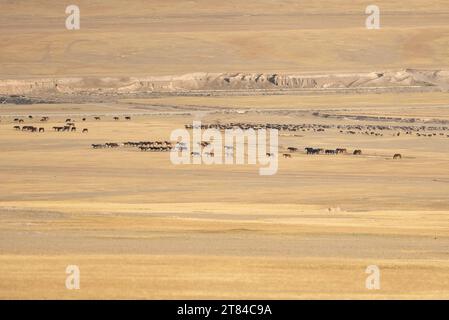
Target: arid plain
139,226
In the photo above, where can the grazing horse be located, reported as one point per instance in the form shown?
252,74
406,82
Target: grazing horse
98,146
97,118
330,152
41,130
292,149
112,145
313,150
29,128
116,118
17,127
397,156
286,155
73,129
85,130
20,120
127,118
341,150
309,150
357,152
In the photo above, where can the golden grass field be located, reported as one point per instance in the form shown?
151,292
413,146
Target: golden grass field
140,227
174,37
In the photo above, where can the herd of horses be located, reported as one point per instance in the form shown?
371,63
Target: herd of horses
68,126
315,151
370,130
165,146
311,150
155,146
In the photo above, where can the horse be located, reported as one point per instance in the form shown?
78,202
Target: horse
357,152
27,128
85,130
112,145
41,130
397,156
310,150
286,155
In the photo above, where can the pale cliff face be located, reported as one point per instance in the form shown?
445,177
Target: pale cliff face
239,81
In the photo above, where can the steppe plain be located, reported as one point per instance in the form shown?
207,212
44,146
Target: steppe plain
140,227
